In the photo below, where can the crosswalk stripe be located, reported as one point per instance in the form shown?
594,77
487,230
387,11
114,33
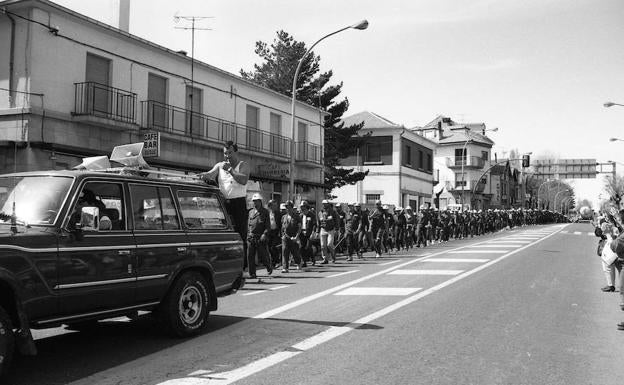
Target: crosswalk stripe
343,273
457,260
379,291
478,252
425,272
496,245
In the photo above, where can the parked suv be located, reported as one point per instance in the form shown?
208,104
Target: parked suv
78,246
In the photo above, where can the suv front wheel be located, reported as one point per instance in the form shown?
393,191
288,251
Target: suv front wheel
7,341
184,311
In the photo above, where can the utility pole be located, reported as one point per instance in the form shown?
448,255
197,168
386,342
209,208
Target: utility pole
192,19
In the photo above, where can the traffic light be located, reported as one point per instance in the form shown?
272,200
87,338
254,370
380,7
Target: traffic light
526,160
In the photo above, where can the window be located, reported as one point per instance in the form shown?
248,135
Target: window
253,134
153,208
107,197
372,198
407,155
378,150
302,134
484,155
460,180
460,156
275,126
194,111
99,98
373,152
421,160
157,96
429,163
201,210
277,192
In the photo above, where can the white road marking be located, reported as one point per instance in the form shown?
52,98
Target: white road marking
379,291
577,233
458,260
426,272
507,241
498,245
339,274
264,290
478,252
389,263
226,378
564,231
592,234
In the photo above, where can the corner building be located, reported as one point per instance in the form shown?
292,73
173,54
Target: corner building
399,164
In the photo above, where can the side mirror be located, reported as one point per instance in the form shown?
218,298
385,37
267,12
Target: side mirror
89,219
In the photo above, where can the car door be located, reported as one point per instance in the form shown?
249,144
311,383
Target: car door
161,243
96,268
212,239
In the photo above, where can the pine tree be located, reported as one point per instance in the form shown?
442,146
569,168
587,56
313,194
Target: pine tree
276,71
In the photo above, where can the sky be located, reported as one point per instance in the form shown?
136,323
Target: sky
538,70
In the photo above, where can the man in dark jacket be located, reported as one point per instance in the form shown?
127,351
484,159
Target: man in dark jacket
257,236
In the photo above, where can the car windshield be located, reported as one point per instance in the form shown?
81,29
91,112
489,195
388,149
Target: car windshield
37,199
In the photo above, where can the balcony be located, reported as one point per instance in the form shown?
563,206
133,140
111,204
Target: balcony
476,185
467,162
308,152
94,99
166,118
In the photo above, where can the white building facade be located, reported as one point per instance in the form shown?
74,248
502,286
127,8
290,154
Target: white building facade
399,164
71,87
462,156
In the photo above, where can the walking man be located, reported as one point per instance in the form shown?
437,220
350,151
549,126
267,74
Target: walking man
258,236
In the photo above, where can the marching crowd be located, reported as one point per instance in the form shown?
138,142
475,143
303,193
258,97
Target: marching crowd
280,232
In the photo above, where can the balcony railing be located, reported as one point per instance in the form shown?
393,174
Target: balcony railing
469,185
166,118
309,152
470,162
100,100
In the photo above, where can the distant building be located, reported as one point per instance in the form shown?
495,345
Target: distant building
400,164
462,155
72,87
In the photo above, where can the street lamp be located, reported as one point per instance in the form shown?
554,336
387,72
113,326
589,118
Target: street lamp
291,170
611,104
616,140
556,195
465,160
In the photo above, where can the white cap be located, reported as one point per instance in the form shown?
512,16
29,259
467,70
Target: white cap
408,208
385,207
282,206
325,201
256,197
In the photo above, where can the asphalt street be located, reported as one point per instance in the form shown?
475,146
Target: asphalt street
522,306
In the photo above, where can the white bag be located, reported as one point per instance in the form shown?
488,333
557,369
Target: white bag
608,255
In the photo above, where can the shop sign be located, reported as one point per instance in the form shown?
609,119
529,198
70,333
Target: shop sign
151,144
273,170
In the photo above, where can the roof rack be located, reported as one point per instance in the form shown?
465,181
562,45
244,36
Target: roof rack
131,157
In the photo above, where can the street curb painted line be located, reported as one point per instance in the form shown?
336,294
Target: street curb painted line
329,334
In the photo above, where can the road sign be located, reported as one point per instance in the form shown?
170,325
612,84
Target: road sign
566,168
151,146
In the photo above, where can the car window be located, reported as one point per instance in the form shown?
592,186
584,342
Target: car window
108,198
153,208
201,210
33,199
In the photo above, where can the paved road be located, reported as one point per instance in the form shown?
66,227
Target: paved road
517,307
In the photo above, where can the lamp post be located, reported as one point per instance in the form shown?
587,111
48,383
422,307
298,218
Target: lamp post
611,104
291,170
465,160
556,195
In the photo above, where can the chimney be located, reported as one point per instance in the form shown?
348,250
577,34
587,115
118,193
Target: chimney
124,15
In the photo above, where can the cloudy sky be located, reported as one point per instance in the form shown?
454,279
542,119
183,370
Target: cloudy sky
539,70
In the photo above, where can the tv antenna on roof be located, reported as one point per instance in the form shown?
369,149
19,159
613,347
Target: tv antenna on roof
192,19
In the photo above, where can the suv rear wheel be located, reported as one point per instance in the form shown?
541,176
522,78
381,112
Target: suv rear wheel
7,341
184,311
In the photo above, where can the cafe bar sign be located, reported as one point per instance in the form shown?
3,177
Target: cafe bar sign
272,170
151,144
